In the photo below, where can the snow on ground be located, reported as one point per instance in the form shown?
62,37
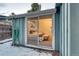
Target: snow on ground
6,40
7,50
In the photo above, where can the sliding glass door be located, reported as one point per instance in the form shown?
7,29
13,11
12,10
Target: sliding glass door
32,28
40,31
45,31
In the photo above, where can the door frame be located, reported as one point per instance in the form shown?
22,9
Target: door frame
36,22
53,42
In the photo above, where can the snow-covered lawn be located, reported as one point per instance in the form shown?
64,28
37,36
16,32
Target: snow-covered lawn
7,50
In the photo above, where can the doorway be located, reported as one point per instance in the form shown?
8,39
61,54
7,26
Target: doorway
45,31
32,35
40,31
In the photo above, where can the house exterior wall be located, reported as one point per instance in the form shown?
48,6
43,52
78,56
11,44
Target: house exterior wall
61,31
18,31
5,31
66,46
19,24
2,18
74,26
62,18
57,29
5,28
65,30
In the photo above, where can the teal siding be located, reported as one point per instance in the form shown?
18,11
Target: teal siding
58,28
18,31
57,31
22,32
62,29
65,40
74,19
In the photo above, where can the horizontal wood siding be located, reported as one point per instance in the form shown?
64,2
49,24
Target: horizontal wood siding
5,31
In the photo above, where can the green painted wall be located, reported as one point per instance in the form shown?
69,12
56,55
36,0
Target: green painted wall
18,31
58,27
74,20
62,28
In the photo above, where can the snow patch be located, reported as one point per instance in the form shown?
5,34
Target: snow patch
7,50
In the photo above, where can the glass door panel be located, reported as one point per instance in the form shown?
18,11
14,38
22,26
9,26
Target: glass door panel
32,27
40,31
45,31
